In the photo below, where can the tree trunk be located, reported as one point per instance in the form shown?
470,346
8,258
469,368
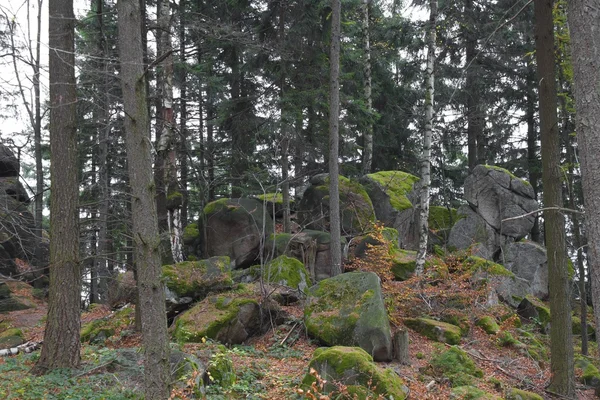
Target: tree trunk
334,114
583,17
367,159
561,346
426,157
61,339
474,123
532,153
183,132
145,221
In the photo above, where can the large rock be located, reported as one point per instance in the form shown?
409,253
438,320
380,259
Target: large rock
356,209
527,260
236,228
191,281
472,231
393,194
496,195
229,318
309,246
287,271
353,369
9,164
348,310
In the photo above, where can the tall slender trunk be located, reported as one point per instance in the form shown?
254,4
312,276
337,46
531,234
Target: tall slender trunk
426,156
367,159
334,114
532,153
145,221
561,340
474,119
583,17
183,149
285,131
61,338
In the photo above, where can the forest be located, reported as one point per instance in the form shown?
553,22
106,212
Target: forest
130,127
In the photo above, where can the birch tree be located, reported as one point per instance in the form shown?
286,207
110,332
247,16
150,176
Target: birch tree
426,157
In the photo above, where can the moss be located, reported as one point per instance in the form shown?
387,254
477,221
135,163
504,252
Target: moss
215,206
435,330
12,332
209,317
396,184
403,264
459,319
391,235
488,324
474,264
276,198
354,368
518,394
101,329
456,365
576,324
590,374
542,310
441,218
191,233
287,271
507,172
196,278
471,393
280,241
506,339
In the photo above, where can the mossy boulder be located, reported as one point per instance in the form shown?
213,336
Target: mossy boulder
393,194
8,302
11,337
287,271
576,323
99,330
480,265
456,366
309,246
353,368
348,310
518,394
274,203
488,324
229,318
435,330
236,228
471,393
590,374
403,264
191,234
356,209
442,218
190,281
534,309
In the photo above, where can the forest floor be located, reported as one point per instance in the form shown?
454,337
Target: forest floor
272,366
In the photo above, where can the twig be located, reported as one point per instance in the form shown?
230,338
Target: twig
544,209
94,369
289,333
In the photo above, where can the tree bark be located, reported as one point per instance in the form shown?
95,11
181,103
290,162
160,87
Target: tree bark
426,157
474,117
585,38
144,215
561,346
334,114
61,339
367,159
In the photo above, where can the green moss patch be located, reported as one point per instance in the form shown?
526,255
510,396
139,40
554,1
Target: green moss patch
455,365
397,185
507,172
196,278
216,206
590,374
471,393
97,331
518,394
219,318
403,263
287,271
435,330
474,264
488,324
441,218
191,233
353,368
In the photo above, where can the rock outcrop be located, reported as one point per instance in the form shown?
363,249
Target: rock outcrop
486,225
348,310
356,208
236,228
